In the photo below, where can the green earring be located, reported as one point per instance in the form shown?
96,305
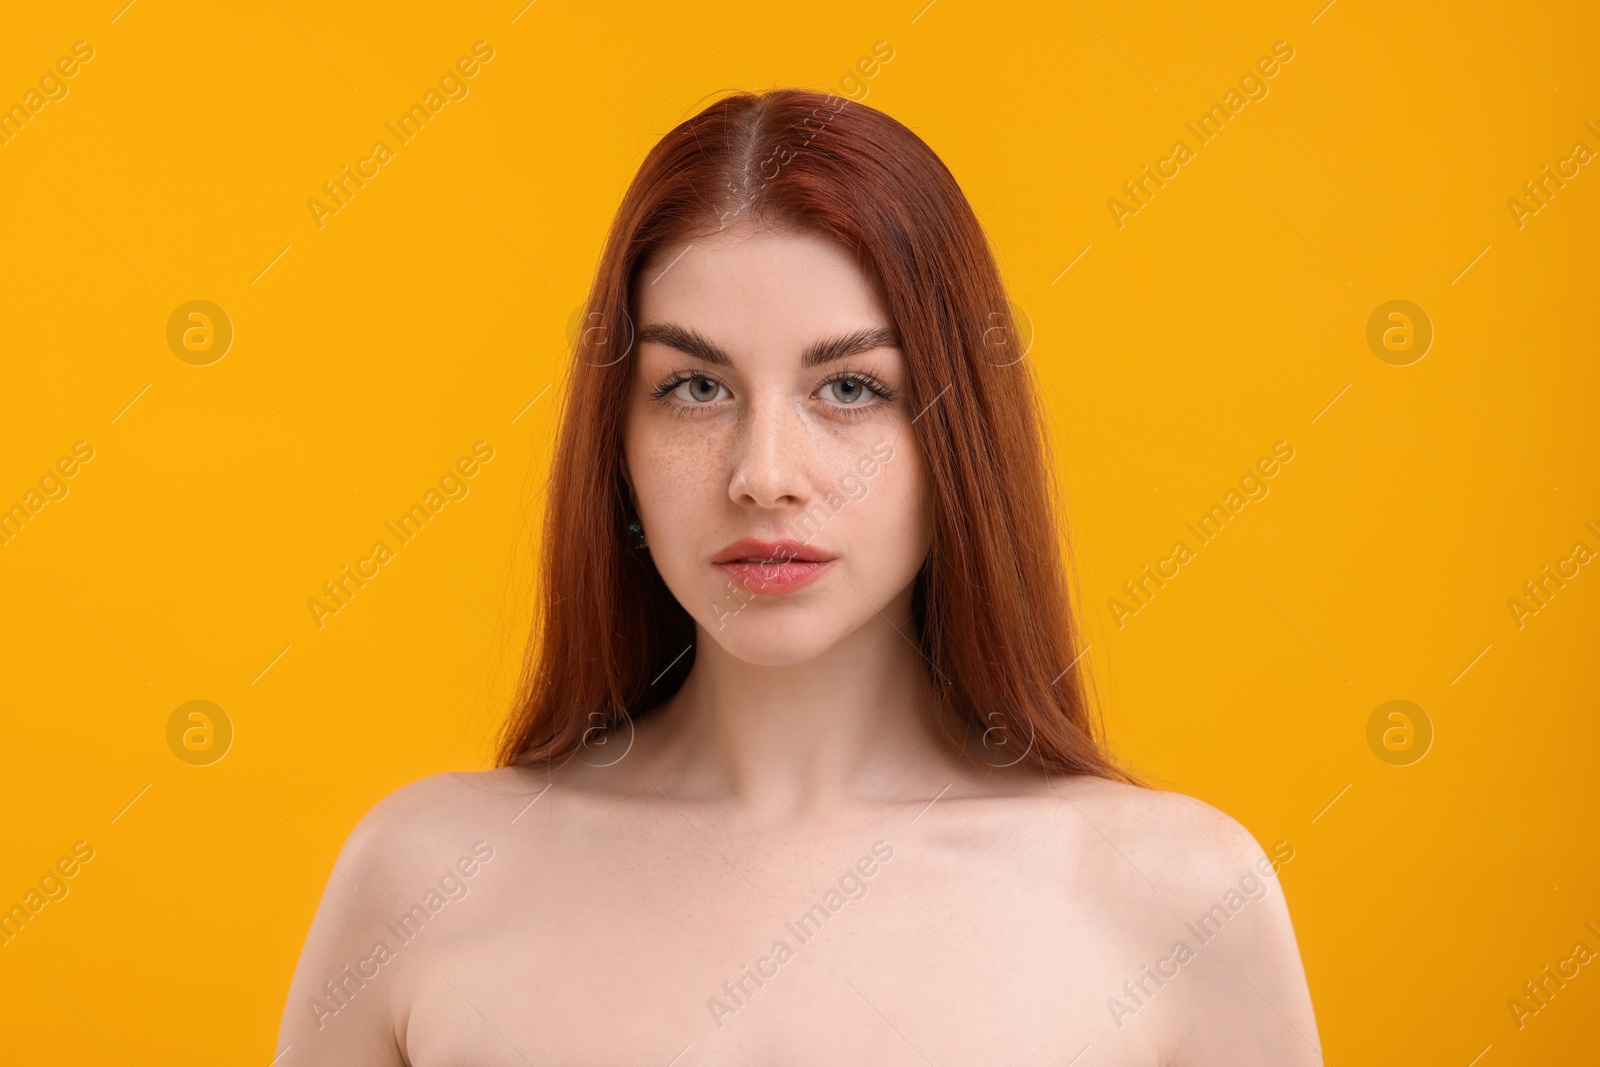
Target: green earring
638,535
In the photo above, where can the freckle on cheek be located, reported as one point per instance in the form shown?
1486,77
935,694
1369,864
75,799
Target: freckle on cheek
679,475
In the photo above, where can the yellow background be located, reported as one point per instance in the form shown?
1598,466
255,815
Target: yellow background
431,311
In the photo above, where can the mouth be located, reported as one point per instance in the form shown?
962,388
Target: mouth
772,568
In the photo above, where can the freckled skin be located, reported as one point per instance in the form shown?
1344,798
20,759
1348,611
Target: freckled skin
797,790
773,443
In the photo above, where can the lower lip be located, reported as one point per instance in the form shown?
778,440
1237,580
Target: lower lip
775,579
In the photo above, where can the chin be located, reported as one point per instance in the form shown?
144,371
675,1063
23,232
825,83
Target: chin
779,640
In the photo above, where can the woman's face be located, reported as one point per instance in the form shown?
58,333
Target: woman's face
770,402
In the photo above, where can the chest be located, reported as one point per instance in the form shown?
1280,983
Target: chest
678,948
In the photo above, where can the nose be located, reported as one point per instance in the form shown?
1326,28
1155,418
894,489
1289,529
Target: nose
770,454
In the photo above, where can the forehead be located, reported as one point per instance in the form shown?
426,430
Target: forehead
738,284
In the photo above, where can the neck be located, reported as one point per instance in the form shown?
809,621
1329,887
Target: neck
855,723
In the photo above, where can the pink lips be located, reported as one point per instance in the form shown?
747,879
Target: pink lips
772,568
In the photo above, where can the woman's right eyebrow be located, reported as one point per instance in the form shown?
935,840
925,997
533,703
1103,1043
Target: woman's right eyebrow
827,350
685,341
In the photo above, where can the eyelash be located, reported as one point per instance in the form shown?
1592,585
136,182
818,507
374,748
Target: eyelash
849,411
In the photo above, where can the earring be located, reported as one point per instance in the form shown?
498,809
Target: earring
638,535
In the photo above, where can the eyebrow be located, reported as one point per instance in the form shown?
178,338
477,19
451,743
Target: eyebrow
816,354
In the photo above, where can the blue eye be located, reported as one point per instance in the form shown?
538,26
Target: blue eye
855,386
694,382
850,387
857,389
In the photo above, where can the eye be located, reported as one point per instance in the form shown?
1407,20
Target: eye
847,391
696,389
852,388
693,390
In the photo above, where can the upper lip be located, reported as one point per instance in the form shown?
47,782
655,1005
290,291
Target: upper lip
782,551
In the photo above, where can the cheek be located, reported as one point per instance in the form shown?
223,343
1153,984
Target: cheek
675,486
894,528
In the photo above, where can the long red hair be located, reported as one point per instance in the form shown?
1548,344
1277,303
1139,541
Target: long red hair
992,603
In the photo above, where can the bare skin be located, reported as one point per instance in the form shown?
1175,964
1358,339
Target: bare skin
789,862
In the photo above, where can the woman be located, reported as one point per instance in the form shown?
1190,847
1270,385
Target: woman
803,771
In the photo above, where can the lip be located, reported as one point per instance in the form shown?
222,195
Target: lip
792,565
783,552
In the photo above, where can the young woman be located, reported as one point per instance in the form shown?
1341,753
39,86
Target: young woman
803,771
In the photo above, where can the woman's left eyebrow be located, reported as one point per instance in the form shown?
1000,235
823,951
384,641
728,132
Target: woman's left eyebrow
836,348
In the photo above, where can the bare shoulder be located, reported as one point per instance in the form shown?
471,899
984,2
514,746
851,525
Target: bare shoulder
411,824
424,841
1177,840
1179,859
1213,950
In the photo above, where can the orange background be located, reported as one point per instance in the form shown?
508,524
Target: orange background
430,312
